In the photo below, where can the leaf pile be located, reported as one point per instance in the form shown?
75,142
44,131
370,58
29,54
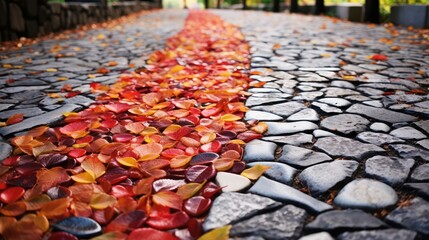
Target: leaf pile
142,159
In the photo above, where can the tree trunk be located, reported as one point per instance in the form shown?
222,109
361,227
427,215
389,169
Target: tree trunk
294,8
218,4
372,11
206,4
320,7
244,4
276,6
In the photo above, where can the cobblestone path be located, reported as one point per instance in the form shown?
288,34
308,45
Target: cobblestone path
346,106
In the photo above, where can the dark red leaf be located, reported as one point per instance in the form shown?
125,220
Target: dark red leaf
199,173
197,205
203,158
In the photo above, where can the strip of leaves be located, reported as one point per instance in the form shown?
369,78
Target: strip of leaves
142,159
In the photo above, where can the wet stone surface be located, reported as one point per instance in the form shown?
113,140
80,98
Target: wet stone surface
366,194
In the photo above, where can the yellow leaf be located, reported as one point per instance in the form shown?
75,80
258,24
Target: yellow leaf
148,157
67,114
176,69
54,95
188,190
62,78
349,78
149,131
51,70
230,117
221,233
101,201
261,128
128,161
208,137
237,141
84,177
172,129
255,172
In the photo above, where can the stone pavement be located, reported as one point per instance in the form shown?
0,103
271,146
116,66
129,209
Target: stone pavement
346,105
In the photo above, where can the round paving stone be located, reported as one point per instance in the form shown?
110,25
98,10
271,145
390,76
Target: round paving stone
262,116
231,207
420,174
414,216
378,138
390,170
230,182
278,171
379,127
284,223
408,133
322,177
307,114
318,236
345,147
384,234
345,123
302,157
352,219
257,150
366,194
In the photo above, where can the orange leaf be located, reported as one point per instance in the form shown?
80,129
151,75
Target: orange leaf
47,178
15,119
135,127
180,161
168,199
255,172
45,148
223,164
230,117
148,151
101,201
93,166
56,208
144,186
6,222
152,99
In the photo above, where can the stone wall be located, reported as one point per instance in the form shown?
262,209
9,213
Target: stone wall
33,18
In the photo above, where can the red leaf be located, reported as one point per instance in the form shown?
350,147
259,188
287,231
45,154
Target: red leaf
166,222
11,194
118,107
379,57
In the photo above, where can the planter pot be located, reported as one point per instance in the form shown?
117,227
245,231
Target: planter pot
410,15
349,11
